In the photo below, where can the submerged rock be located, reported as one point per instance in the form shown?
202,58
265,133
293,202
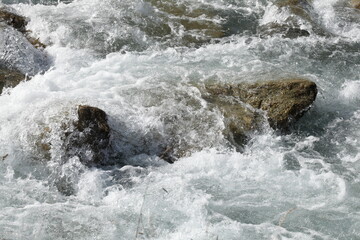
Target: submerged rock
10,78
244,104
197,25
208,28
284,30
295,5
299,8
72,145
301,21
18,50
90,138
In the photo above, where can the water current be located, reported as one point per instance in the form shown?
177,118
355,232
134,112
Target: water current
139,61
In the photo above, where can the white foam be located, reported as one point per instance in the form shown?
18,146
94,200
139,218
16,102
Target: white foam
338,19
213,193
350,90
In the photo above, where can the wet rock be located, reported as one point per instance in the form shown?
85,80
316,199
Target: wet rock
17,53
91,137
284,30
9,16
246,106
197,24
35,42
297,7
301,22
355,3
9,78
208,28
18,50
178,9
18,22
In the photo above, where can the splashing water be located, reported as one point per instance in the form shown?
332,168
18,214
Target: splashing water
140,61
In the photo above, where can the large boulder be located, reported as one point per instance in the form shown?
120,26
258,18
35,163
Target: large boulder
9,78
91,137
246,106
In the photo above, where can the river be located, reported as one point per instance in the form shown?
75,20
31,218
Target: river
139,61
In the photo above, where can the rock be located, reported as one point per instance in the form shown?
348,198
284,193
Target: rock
18,22
284,30
9,78
301,9
9,16
198,24
73,146
94,118
244,104
35,42
18,50
180,9
208,28
91,137
294,3
301,14
17,53
355,3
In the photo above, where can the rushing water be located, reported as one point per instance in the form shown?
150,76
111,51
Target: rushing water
139,61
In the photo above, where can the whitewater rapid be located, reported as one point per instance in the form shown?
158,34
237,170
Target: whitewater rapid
110,54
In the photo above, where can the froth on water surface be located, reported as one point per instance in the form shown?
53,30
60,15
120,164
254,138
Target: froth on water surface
144,63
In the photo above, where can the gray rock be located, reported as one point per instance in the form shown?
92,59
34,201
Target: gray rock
17,53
